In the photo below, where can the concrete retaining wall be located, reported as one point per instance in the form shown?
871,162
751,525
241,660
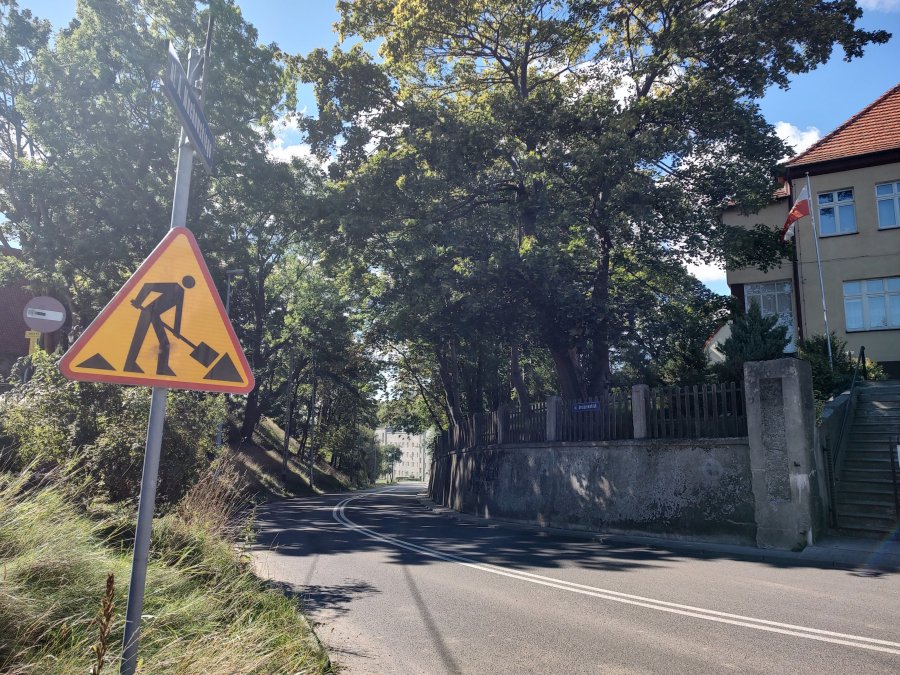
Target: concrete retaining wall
698,489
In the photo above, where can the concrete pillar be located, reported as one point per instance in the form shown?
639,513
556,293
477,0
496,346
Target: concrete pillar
503,424
640,410
554,407
781,423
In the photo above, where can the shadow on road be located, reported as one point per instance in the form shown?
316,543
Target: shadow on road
306,527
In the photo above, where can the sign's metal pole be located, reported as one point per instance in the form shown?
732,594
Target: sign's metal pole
155,424
142,535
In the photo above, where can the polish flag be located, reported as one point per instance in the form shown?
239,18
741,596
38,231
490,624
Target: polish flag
801,208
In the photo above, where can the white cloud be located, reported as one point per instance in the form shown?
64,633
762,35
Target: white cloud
706,272
880,5
288,144
282,151
797,139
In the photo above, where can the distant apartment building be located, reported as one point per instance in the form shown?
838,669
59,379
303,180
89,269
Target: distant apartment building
414,461
854,175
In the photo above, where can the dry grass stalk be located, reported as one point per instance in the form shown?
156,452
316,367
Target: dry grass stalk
217,498
104,622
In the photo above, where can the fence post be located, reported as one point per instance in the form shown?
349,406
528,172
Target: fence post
640,407
477,429
554,404
503,424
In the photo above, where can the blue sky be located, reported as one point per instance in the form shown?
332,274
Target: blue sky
815,104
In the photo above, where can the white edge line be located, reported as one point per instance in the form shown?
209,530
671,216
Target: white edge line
338,512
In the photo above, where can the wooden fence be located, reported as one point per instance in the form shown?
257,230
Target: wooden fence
698,411
528,426
607,418
488,433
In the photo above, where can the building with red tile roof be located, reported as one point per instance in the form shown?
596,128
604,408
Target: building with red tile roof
853,174
871,136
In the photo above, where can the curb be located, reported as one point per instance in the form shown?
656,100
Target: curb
820,556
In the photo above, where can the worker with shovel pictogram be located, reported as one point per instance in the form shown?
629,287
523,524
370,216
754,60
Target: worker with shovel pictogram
170,295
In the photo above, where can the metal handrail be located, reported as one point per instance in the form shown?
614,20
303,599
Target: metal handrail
837,456
895,459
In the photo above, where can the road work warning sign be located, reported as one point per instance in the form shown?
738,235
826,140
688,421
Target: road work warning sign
166,327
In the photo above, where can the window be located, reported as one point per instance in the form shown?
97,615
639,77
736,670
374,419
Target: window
774,299
872,304
887,201
837,215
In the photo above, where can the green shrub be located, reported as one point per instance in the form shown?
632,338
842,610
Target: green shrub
100,429
754,337
828,381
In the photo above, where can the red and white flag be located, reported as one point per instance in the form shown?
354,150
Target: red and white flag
801,208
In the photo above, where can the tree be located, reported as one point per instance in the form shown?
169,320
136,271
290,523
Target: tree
668,318
754,337
388,456
86,186
261,219
512,158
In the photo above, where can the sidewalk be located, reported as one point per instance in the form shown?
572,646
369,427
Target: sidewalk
838,552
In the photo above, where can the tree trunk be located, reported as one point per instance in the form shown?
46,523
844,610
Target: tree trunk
516,377
451,389
251,414
600,371
312,446
309,413
570,386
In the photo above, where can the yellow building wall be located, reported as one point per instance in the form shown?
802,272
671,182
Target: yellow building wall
869,253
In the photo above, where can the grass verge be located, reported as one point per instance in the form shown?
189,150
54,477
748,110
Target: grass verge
204,610
261,462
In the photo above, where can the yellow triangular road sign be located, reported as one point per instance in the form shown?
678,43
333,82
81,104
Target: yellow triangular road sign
166,327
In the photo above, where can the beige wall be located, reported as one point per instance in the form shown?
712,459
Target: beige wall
772,215
867,254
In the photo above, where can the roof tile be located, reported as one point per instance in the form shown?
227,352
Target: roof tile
875,128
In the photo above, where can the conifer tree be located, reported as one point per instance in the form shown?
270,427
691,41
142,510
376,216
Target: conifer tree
754,337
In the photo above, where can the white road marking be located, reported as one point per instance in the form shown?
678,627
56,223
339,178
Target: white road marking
338,512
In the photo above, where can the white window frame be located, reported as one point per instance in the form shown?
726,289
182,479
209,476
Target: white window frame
757,290
864,295
835,204
893,197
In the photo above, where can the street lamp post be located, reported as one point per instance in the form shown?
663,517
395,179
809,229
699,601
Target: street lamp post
229,275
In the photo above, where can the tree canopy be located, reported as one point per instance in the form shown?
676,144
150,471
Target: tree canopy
513,189
524,176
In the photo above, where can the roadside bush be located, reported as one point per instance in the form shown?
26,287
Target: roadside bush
827,381
100,429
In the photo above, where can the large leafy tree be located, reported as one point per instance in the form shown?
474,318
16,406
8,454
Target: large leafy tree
513,159
87,177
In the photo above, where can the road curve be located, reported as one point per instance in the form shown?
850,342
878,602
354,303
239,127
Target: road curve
394,587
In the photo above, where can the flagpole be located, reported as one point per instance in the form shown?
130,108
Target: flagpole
812,219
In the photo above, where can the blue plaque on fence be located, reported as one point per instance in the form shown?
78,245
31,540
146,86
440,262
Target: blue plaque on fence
586,407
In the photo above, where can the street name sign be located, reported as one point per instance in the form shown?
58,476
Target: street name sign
166,327
586,407
181,94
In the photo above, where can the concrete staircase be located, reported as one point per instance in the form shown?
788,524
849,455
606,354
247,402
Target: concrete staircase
865,504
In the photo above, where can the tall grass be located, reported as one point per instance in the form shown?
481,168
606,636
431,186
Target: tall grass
204,610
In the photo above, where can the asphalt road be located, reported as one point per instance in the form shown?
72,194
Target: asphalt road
395,587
